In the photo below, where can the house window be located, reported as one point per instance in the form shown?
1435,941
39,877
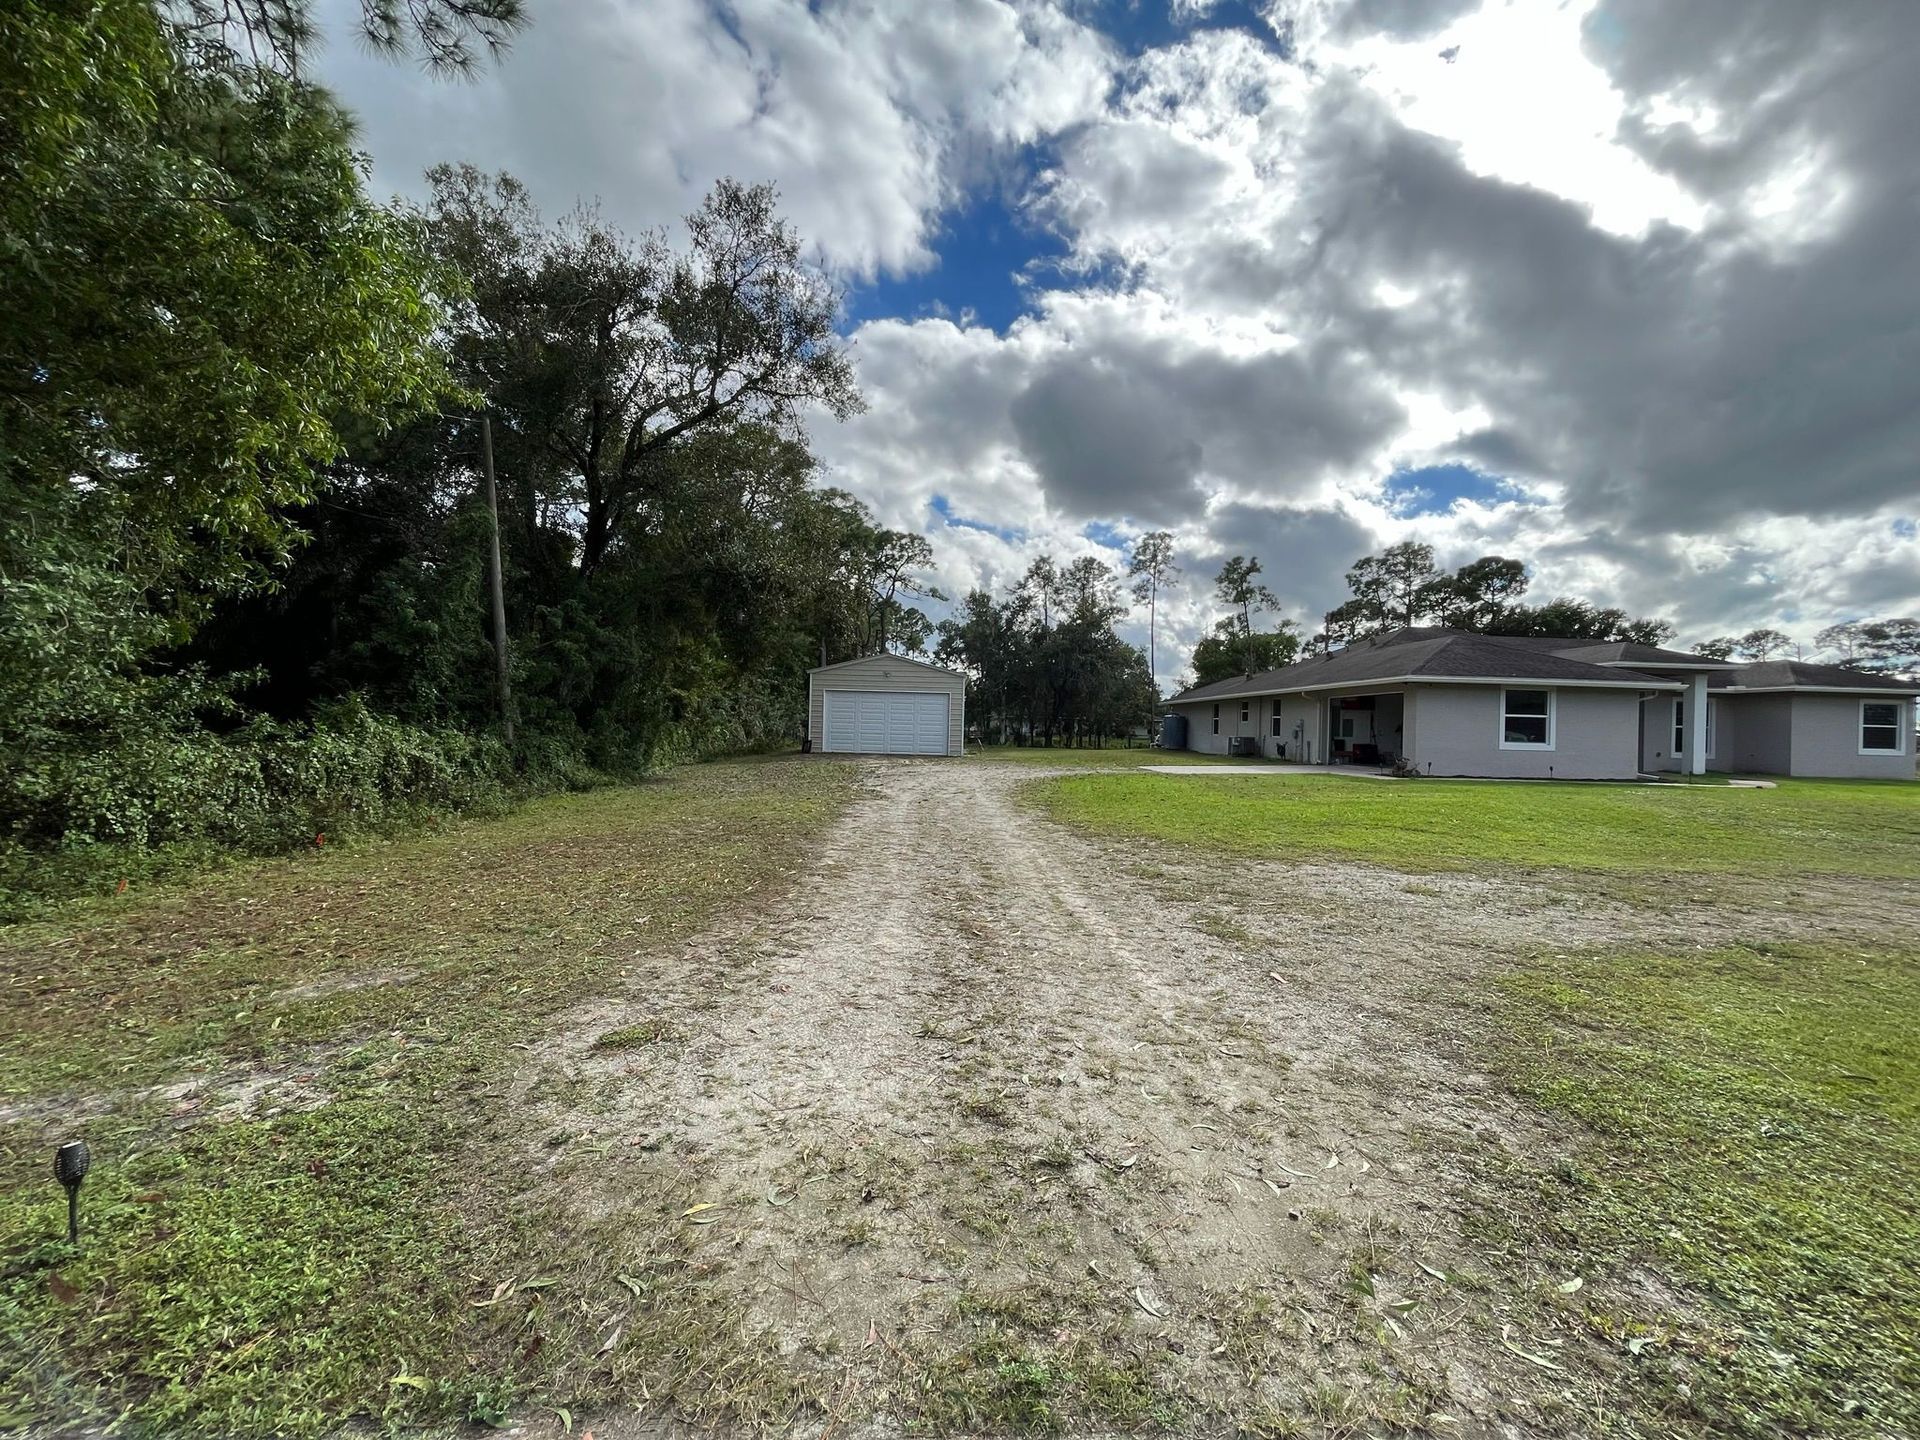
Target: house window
1526,719
1245,711
1216,719
1680,726
1880,727
1276,722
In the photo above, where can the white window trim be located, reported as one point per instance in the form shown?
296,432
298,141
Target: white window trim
1216,718
1713,739
1246,711
1900,709
1500,720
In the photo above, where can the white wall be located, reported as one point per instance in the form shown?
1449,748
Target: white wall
889,673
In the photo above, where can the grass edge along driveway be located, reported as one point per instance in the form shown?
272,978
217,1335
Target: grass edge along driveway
387,1255
1867,828
1742,1120
1747,1122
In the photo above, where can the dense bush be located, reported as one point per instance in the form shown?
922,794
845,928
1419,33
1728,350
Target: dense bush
164,796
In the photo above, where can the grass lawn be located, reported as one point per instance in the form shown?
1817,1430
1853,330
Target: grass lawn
1110,757
378,1255
1803,827
1752,1128
1740,1129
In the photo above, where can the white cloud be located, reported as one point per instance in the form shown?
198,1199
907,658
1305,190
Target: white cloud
868,115
1654,262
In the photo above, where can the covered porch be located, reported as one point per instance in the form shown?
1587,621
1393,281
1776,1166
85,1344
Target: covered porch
1368,728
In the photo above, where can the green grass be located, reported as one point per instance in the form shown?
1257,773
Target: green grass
1111,757
1753,1124
389,1254
1803,827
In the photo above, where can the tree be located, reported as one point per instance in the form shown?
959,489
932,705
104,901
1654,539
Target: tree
1645,631
1041,587
1151,569
442,33
1476,595
1762,643
604,352
1226,654
1092,592
1847,638
1719,648
1571,619
1238,587
1399,586
198,298
1046,663
1891,646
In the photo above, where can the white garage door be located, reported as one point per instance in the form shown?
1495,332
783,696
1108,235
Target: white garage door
866,722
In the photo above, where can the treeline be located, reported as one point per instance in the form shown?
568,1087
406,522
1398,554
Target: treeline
1045,663
244,540
1402,586
1888,647
1397,588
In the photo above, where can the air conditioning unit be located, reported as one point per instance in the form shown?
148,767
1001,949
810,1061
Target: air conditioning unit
1243,745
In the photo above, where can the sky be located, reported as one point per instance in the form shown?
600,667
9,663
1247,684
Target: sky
1626,289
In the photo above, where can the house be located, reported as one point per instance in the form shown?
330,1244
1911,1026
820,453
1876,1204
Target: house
1449,702
886,705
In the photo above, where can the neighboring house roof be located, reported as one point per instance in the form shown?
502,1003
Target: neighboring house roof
1431,654
891,659
1803,675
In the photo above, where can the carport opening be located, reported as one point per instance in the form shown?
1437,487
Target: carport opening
1366,729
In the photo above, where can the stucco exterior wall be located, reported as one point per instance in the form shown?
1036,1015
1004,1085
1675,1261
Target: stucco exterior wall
1762,733
1200,723
889,672
1656,736
1826,739
1456,731
1301,714
1257,725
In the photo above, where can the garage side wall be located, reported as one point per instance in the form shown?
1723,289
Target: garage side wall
888,673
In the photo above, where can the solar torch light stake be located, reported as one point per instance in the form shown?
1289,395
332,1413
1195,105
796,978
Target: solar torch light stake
70,1163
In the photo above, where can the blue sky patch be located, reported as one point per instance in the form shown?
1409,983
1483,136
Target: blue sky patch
1103,534
1138,26
1436,489
942,508
983,247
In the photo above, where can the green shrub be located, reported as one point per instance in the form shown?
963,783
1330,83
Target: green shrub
154,799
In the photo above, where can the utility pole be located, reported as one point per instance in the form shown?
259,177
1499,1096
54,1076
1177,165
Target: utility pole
495,582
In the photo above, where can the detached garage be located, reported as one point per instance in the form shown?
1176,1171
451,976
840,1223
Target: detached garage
886,705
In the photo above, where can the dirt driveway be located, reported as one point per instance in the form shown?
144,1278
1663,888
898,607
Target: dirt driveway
984,1115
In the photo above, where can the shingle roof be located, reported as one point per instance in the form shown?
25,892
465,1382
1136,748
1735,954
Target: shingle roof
1426,653
1632,653
1796,674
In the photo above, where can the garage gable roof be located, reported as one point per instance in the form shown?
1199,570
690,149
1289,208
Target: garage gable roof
891,659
